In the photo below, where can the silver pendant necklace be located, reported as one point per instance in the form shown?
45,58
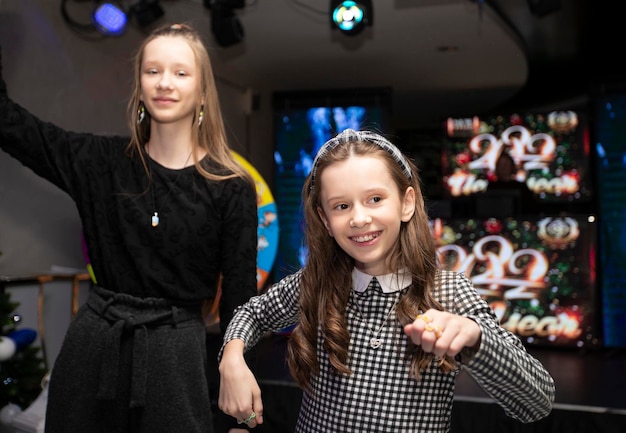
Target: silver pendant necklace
154,219
375,342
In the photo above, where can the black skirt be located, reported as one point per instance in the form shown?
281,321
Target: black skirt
131,365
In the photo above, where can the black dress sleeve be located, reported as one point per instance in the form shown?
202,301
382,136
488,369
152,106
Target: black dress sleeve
239,247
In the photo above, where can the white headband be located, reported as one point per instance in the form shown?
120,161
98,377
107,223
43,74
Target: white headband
350,135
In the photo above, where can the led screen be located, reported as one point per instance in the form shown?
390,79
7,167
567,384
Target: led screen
538,274
610,139
551,152
303,122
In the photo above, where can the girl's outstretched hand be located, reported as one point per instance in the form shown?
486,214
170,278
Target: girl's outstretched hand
240,394
443,333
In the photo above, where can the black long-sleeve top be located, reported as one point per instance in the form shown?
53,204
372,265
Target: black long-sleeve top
206,228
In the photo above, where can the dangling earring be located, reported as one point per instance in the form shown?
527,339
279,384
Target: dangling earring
141,113
201,116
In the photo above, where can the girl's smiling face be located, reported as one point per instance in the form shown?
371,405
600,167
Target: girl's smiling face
170,80
363,210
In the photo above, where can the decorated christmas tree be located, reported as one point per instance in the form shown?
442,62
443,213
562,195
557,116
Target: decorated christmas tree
22,366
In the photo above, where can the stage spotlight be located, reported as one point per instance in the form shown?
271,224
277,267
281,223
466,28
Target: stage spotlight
109,19
145,12
225,25
349,16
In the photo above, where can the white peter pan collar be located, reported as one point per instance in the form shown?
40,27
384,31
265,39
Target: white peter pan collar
389,283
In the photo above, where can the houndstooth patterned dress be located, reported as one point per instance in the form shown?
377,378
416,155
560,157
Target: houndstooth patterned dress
380,395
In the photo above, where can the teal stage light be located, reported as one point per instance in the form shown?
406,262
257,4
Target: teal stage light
351,17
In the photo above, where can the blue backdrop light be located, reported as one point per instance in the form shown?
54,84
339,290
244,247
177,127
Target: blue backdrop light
610,138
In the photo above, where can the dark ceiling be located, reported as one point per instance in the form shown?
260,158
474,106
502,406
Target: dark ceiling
573,47
537,53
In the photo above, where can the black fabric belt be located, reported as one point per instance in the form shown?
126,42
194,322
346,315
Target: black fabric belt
126,313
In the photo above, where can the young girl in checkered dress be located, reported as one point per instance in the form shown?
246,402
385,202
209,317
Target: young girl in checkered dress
381,331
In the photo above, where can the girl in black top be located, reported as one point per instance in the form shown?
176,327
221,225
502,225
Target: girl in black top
167,214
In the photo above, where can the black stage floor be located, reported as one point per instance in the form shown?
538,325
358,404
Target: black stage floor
590,393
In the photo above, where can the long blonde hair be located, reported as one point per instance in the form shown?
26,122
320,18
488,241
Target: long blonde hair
211,134
327,277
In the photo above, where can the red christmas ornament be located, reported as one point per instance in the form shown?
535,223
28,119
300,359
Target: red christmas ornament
493,226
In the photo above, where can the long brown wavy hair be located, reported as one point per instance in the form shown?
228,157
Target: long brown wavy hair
211,134
327,277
